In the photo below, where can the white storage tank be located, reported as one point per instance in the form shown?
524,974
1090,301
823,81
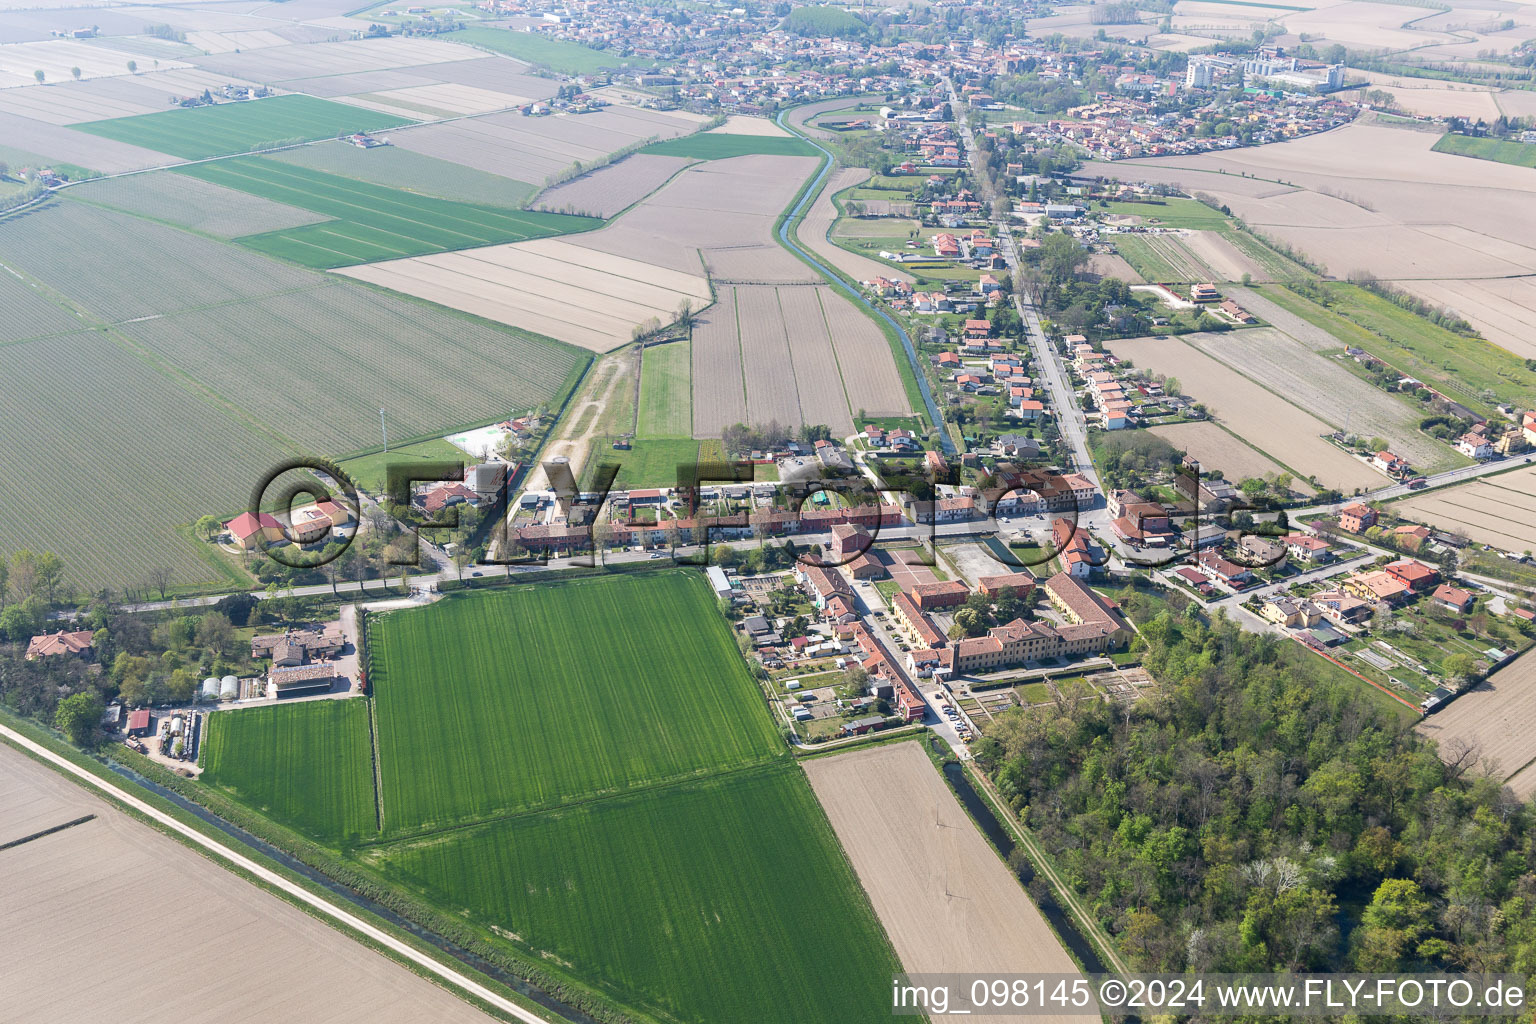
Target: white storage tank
229,688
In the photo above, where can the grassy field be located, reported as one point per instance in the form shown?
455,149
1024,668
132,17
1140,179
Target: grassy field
723,900
372,222
556,54
1147,263
496,703
309,765
398,167
1460,367
200,132
1172,213
371,472
650,462
666,391
1520,154
717,146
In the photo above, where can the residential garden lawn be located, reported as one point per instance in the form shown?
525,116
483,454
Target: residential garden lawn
196,133
556,54
720,900
1521,154
1172,213
1033,693
719,146
308,765
666,390
493,703
1460,367
650,462
371,472
372,222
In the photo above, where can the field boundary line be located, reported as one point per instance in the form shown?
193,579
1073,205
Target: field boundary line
292,891
378,770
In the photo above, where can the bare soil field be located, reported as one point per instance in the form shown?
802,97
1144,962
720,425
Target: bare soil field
772,392
1496,722
947,901
1498,510
56,59
70,102
1263,419
818,221
1218,450
549,286
78,897
740,124
1114,266
1225,260
80,148
764,263
448,99
719,392
817,375
1327,390
611,189
276,64
870,376
193,203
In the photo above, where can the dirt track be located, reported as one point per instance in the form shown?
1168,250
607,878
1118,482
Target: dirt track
947,901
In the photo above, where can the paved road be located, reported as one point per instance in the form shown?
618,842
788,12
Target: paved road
1450,476
293,890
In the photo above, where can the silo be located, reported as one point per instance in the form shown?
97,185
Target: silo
229,688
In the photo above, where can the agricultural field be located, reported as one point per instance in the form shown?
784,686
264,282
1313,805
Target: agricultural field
591,681
194,204
1496,722
1497,510
1518,153
610,190
226,128
948,902
76,903
649,462
743,124
401,168
1189,214
721,146
295,67
371,222
1322,386
1220,451
560,55
557,288
308,764
666,408
717,360
371,472
1285,432
32,314
1463,368
655,897
815,226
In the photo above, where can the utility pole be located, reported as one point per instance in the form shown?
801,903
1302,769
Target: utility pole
383,431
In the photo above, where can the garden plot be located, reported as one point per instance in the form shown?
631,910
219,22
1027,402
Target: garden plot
277,64
719,391
1498,510
947,901
1260,417
1219,451
193,203
76,898
1495,723
1328,391
612,189
561,290
772,393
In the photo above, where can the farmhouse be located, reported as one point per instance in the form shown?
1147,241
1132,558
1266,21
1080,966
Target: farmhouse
141,723
61,644
848,541
300,681
822,585
296,646
257,530
1074,548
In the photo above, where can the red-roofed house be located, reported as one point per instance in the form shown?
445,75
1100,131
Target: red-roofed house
51,645
252,530
1357,517
1454,598
1416,576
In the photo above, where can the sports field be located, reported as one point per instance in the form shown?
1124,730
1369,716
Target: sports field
496,703
372,222
719,146
309,765
713,901
666,406
200,132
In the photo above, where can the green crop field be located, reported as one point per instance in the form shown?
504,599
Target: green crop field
309,765
666,396
556,54
398,167
649,462
1521,154
1172,213
372,222
197,133
719,146
496,703
726,900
